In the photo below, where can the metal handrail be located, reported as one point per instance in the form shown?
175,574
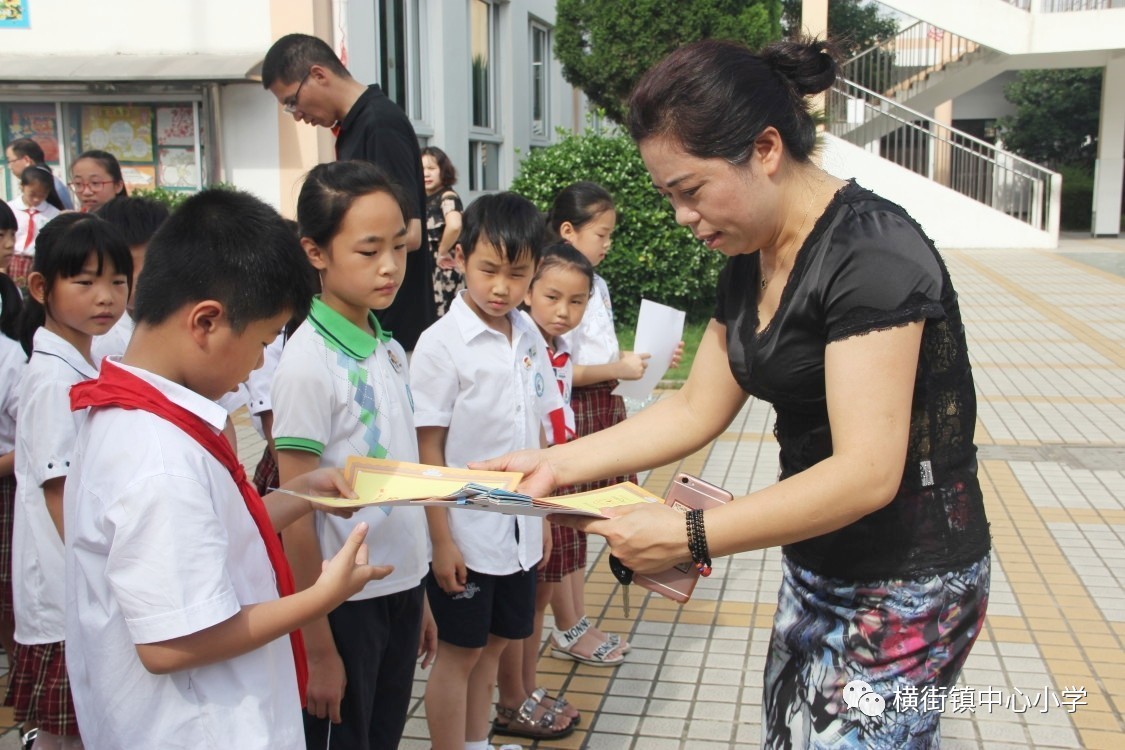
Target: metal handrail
1073,6
908,58
957,160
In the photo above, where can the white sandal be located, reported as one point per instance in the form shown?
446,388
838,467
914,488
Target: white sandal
563,641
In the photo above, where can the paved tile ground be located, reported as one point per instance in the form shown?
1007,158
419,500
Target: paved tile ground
1045,334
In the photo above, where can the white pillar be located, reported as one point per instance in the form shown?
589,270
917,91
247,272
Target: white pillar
1110,165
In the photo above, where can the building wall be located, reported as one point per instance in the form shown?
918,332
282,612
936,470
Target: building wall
246,139
446,69
142,27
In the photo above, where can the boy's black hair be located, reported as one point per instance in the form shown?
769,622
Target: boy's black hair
290,58
136,218
61,250
22,147
510,222
563,255
39,175
11,302
7,218
328,194
228,246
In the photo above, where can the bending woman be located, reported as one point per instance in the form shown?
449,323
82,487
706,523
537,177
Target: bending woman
835,308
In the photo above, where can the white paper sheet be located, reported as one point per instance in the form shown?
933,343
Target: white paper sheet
659,330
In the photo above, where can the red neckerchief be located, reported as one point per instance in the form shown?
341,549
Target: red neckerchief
561,433
117,387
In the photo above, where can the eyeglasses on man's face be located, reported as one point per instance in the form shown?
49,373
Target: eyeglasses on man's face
290,104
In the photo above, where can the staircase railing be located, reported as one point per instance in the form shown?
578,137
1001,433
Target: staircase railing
975,168
907,58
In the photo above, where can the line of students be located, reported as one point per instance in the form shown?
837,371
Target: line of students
174,611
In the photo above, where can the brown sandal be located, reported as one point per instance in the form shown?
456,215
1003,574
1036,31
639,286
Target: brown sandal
521,722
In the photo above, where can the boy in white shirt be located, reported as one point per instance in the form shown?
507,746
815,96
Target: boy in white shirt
341,389
478,380
176,634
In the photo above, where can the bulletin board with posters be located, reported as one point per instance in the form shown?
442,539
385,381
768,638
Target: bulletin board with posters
156,144
38,121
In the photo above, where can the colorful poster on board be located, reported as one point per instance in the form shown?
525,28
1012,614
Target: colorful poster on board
125,132
13,14
38,122
175,126
139,176
177,168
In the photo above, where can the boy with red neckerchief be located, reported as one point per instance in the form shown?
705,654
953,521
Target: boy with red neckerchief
180,614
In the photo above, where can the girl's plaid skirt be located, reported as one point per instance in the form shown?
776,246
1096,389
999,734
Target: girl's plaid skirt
595,408
568,554
266,475
19,266
39,690
7,514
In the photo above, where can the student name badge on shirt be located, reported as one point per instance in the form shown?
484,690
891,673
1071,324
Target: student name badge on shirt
659,330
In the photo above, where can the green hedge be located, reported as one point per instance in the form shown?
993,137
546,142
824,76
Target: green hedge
173,198
652,257
1077,208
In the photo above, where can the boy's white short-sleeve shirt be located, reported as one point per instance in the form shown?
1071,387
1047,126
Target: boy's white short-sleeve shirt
260,382
45,434
114,341
13,362
339,392
486,391
160,545
594,340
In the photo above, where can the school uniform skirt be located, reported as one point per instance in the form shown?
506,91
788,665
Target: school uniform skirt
19,266
7,518
595,409
39,689
266,474
835,641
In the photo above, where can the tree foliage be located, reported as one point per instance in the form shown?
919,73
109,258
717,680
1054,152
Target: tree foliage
605,46
1056,120
853,26
652,256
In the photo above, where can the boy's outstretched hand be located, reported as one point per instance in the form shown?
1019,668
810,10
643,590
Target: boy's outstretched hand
327,482
348,572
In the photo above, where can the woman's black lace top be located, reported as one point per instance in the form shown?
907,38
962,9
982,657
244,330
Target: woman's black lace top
866,267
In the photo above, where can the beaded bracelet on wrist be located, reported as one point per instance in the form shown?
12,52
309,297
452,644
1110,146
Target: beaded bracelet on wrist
697,542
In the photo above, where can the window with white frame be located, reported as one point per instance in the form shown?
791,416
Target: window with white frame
540,101
399,26
484,136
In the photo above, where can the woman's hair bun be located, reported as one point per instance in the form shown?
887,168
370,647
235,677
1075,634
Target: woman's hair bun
810,65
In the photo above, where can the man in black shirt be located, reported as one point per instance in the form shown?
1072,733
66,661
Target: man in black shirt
312,84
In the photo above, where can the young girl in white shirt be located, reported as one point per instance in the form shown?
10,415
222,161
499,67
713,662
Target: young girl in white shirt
554,304
584,215
12,364
78,285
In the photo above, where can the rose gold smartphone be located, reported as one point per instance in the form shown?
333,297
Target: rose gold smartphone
687,493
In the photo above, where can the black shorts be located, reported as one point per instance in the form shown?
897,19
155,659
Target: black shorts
503,606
